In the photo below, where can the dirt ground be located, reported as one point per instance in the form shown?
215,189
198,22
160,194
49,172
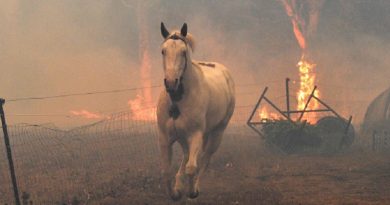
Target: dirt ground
356,177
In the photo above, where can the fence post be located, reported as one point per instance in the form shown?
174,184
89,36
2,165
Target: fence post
288,97
9,153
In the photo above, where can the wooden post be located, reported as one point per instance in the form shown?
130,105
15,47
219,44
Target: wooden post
288,97
9,153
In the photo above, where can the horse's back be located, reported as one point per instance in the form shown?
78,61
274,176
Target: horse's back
221,92
216,74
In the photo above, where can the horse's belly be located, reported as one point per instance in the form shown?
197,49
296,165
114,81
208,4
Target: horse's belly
221,101
218,111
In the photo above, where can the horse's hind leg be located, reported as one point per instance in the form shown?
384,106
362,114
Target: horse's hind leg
213,142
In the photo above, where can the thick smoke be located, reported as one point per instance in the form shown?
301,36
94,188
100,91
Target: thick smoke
56,47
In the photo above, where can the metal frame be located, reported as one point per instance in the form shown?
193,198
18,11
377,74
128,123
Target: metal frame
287,114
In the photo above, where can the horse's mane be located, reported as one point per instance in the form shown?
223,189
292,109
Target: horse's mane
189,39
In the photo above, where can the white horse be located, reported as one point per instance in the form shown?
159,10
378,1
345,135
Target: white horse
194,109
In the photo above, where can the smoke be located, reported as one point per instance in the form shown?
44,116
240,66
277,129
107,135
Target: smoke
57,47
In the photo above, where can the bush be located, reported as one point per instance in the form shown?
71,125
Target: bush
328,135
291,138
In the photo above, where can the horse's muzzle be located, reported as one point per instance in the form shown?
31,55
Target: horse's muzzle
171,85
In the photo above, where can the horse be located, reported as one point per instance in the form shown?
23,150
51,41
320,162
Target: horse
194,109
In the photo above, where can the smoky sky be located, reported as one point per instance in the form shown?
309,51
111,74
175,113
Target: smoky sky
50,47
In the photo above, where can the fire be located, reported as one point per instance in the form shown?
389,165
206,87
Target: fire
304,19
87,114
146,77
307,81
138,106
141,112
265,115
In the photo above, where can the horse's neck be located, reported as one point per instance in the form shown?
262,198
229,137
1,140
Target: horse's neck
192,78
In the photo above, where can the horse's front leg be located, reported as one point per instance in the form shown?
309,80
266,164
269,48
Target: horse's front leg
195,144
166,159
181,175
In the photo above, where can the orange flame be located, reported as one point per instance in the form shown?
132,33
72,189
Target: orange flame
265,115
307,80
146,76
304,18
138,106
87,114
140,111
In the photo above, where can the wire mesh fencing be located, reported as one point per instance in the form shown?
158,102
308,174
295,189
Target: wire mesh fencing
57,167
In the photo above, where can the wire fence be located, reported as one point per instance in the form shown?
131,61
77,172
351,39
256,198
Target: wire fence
54,166
57,167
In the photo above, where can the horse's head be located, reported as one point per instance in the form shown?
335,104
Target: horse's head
175,55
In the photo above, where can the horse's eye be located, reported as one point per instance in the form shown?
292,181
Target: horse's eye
163,52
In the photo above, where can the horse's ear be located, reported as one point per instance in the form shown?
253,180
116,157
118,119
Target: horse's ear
164,31
183,30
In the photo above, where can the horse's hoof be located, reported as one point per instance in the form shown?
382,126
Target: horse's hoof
176,195
193,195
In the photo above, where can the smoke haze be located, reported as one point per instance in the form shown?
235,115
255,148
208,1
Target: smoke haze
51,47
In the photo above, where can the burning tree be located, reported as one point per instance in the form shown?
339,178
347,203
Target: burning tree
304,16
140,107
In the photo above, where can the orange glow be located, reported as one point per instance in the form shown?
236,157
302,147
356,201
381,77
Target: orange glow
304,18
307,81
141,112
146,77
88,115
265,115
139,106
